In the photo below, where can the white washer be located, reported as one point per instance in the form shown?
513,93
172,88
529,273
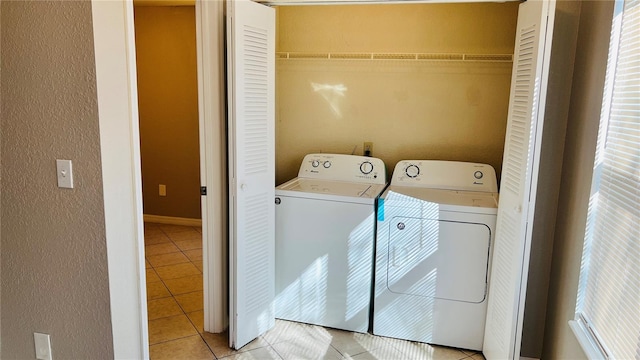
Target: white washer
436,224
325,220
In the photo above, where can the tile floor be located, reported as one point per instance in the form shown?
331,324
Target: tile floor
175,310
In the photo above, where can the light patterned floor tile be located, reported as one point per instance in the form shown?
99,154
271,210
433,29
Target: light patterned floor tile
177,271
198,264
189,244
197,319
288,331
156,239
184,285
174,229
477,356
158,249
192,347
157,290
422,351
194,255
219,344
152,231
170,328
152,276
167,259
187,235
263,353
190,302
351,343
164,307
307,350
387,352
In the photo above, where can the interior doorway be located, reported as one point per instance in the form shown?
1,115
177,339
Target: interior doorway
170,160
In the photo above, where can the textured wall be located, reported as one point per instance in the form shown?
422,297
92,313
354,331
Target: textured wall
582,129
168,104
53,264
426,110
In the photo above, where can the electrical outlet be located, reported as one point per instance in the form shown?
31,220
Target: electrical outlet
367,148
162,190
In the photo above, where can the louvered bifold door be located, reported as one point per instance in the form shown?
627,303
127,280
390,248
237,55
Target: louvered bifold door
251,87
507,282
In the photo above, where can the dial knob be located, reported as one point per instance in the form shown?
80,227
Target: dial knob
315,163
412,171
478,175
366,167
326,164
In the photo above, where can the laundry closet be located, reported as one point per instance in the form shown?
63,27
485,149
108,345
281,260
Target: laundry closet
419,81
439,89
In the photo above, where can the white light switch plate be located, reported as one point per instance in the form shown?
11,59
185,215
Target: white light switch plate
43,346
65,173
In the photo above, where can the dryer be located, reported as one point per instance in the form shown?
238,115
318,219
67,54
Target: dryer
436,224
325,220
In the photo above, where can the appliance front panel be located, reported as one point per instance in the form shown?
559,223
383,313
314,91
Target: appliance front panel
324,262
438,258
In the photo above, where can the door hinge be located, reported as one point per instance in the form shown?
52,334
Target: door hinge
203,190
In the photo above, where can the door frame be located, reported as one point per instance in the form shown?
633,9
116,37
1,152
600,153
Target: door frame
210,37
117,97
114,45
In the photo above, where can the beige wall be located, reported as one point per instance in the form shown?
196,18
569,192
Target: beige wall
408,109
584,115
168,104
54,268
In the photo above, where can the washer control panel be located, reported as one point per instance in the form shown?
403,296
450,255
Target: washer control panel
339,167
449,175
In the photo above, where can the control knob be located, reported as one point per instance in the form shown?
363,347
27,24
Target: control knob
478,175
412,171
315,163
366,167
326,164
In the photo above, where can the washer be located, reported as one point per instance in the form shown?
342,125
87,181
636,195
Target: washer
325,220
436,224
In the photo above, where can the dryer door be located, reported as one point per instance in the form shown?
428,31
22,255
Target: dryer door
438,259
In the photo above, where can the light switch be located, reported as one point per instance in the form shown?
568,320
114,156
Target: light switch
43,346
65,173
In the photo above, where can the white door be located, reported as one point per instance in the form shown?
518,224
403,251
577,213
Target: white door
508,280
251,88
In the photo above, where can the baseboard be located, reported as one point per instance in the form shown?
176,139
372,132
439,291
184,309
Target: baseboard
172,220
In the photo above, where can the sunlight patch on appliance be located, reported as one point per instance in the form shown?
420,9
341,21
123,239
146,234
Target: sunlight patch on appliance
405,324
306,297
332,94
412,244
359,257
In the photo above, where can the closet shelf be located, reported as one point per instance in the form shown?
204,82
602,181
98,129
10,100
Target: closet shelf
395,56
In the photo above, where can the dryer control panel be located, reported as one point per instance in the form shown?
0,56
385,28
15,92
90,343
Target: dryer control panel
448,175
340,167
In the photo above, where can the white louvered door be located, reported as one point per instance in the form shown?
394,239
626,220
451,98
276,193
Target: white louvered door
251,88
508,279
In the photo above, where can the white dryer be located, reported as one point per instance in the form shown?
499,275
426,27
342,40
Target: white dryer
325,220
436,224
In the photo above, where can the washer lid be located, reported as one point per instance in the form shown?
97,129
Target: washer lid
361,191
447,200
